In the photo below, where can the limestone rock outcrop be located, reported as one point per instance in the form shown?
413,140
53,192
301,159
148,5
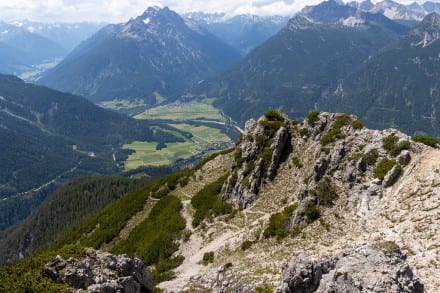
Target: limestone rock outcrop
358,269
258,156
101,272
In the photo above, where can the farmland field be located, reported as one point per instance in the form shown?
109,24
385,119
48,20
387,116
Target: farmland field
203,134
122,104
182,112
146,154
205,140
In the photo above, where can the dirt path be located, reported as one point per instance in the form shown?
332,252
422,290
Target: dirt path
193,251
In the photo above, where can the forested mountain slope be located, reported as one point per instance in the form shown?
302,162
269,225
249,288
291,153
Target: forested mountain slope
49,137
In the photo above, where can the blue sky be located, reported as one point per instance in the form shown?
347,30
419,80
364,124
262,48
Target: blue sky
122,10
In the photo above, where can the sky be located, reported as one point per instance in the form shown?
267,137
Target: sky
114,11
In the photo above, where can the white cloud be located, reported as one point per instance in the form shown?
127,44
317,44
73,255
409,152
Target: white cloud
119,11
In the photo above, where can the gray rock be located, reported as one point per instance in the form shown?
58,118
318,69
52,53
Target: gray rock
101,272
354,270
404,158
277,147
337,154
304,275
320,168
242,187
392,176
374,190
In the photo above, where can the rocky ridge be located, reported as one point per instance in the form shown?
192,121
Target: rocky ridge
100,272
355,181
257,158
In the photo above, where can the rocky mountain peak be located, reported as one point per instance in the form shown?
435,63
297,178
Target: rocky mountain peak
430,6
428,31
257,158
394,10
154,21
432,21
328,12
366,5
299,22
332,13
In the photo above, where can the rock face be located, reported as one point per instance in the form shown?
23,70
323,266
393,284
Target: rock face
344,159
258,156
101,272
355,270
331,196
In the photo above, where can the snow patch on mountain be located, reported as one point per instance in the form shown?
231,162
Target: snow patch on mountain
352,21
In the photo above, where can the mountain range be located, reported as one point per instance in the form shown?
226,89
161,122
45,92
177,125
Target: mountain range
291,70
397,87
155,53
243,32
396,11
337,58
21,49
67,35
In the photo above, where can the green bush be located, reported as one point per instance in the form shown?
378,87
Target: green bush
341,120
278,223
371,157
311,211
207,202
246,245
356,124
324,193
274,115
390,144
296,162
429,141
313,117
154,240
271,127
238,157
383,167
249,167
208,257
263,290
306,180
304,132
28,274
336,131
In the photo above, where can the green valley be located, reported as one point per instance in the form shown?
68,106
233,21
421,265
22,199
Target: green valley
201,127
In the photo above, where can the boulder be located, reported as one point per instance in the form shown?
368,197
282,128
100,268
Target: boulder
392,176
101,272
357,269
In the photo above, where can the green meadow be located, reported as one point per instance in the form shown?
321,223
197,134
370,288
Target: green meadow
183,111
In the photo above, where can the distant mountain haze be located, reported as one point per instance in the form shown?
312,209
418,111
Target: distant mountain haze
291,70
398,87
21,49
